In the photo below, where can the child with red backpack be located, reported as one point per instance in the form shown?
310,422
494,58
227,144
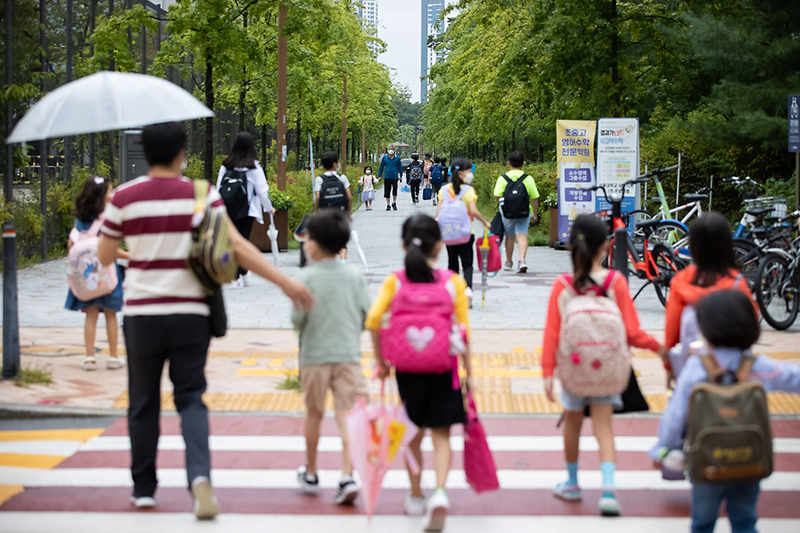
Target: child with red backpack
591,322
419,323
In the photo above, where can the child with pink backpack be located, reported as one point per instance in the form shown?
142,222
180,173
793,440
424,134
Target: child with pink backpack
419,326
591,323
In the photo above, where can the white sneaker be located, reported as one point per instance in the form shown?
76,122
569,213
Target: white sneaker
89,364
143,502
468,293
414,506
206,505
438,505
247,279
115,363
522,267
308,482
347,491
508,267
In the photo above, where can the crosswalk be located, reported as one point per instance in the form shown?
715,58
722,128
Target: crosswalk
78,480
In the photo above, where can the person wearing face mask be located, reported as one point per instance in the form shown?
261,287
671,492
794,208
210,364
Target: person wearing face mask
391,170
459,185
516,190
367,182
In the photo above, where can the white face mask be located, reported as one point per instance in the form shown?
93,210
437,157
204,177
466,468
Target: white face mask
469,177
390,152
369,172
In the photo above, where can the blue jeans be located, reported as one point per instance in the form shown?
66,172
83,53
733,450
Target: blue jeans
741,506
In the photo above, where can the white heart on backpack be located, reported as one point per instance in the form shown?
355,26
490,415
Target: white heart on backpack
419,339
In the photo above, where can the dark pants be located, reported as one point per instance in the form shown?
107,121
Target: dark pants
245,226
183,341
389,188
741,506
415,185
465,253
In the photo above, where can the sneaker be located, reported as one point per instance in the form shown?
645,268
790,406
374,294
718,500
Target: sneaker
388,208
206,505
567,492
247,279
609,506
115,363
347,491
414,506
438,505
143,502
468,293
89,364
522,267
394,206
508,267
238,284
308,482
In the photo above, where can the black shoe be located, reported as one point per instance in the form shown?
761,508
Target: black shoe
394,206
388,208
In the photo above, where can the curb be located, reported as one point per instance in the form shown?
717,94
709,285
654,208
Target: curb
25,410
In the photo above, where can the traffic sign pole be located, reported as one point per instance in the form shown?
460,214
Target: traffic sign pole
10,312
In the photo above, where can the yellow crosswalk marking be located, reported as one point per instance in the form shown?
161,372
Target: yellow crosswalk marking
275,362
81,435
30,461
266,372
253,361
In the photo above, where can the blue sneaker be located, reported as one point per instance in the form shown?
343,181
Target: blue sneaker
609,506
567,492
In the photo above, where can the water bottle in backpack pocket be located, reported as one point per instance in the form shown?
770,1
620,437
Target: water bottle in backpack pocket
233,190
86,277
453,219
593,357
417,338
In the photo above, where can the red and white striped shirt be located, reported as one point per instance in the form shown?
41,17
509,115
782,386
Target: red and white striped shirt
153,216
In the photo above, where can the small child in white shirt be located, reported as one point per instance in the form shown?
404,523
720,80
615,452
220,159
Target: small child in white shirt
367,183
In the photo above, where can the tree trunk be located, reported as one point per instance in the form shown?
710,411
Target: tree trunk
243,92
297,133
616,100
264,145
514,140
209,140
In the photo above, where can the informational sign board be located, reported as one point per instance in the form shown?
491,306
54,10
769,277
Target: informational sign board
576,171
617,160
794,123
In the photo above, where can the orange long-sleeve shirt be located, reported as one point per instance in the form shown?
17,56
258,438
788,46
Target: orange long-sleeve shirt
619,292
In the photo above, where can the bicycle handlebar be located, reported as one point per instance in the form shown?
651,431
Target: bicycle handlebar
640,179
659,171
737,180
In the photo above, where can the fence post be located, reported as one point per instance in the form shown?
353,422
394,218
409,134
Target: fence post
10,314
620,251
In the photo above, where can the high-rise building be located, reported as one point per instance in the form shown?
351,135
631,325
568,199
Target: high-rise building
431,9
367,13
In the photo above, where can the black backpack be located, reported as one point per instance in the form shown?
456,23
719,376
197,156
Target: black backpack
233,190
416,172
333,193
516,202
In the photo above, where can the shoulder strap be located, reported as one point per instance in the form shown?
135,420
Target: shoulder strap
463,191
505,176
712,366
738,280
745,367
522,178
94,229
612,274
566,280
200,194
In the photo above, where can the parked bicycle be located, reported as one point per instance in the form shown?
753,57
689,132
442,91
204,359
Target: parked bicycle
777,288
657,264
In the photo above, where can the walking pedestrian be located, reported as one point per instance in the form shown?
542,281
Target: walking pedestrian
588,246
714,269
445,170
89,206
518,197
243,186
414,176
367,183
459,189
437,173
431,400
330,345
391,170
332,191
166,308
729,336
426,168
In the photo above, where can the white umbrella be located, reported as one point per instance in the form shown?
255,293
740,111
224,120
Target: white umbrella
354,238
272,233
106,101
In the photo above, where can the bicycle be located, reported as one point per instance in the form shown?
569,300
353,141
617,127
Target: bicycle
777,288
658,265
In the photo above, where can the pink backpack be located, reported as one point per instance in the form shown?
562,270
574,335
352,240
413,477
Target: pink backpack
593,356
417,339
86,277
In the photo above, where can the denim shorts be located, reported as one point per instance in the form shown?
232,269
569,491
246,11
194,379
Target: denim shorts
577,403
516,226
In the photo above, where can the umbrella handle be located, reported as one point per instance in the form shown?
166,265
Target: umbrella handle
271,219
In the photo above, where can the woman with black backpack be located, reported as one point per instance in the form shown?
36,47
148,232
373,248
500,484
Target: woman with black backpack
244,189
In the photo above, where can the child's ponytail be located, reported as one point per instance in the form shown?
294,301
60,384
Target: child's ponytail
421,234
459,164
587,236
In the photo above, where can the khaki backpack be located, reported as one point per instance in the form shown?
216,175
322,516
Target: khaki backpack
728,436
211,255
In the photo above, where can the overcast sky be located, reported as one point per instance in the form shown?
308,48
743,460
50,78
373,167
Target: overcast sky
400,30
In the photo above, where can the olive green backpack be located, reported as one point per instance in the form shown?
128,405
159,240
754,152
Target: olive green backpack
211,255
728,436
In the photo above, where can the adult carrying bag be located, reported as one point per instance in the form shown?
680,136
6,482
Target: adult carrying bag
593,357
211,252
233,189
454,219
333,194
516,201
86,277
728,435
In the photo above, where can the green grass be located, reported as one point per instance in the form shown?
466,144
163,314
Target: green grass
40,374
290,382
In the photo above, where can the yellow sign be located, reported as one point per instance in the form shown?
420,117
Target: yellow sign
575,141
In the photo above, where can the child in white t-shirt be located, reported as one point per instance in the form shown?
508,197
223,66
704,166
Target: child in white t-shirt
367,183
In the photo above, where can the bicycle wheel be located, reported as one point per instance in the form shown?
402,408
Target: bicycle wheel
638,234
674,234
748,255
776,291
668,265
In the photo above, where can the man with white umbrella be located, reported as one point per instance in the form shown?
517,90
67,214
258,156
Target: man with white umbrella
166,312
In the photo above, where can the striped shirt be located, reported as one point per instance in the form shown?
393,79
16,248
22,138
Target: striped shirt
153,216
